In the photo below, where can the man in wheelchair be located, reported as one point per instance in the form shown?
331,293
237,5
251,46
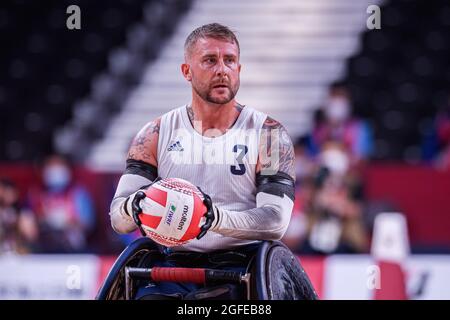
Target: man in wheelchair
242,160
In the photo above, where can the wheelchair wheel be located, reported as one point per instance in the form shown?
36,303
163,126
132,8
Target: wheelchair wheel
113,287
280,275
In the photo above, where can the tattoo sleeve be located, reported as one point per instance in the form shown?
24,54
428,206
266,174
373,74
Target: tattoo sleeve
276,153
141,170
144,144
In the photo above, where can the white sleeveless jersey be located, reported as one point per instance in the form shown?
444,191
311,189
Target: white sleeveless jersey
223,167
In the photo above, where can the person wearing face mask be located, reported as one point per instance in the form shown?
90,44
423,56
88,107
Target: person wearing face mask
304,158
63,208
334,214
339,124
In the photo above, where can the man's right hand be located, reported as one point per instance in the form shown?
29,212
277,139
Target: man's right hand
133,199
132,207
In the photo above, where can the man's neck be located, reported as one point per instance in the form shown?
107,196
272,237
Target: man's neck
213,118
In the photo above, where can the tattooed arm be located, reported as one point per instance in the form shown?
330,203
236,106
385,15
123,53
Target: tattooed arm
145,144
141,170
276,152
275,180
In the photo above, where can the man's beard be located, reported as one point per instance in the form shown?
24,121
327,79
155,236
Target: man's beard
207,94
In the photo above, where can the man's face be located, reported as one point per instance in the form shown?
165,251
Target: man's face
212,66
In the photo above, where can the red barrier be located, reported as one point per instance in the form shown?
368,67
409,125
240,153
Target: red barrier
422,195
315,269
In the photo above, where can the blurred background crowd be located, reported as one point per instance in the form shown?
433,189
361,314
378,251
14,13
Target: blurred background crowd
368,111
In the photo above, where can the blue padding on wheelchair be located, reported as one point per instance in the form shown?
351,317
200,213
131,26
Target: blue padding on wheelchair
261,284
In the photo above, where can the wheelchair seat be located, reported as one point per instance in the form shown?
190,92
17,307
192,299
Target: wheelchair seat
273,272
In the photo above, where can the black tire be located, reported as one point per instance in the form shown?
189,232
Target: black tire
281,276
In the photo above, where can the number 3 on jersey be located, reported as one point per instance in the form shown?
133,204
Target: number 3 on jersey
241,151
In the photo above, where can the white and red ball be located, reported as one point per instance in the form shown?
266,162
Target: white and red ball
172,211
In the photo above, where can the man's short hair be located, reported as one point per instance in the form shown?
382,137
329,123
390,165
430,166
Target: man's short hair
211,30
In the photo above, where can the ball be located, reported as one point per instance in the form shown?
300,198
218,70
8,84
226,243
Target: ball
172,212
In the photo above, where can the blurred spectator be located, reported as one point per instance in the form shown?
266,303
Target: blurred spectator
337,123
63,208
304,158
297,230
305,167
437,141
18,231
331,208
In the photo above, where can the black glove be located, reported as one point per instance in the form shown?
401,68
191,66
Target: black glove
136,209
210,214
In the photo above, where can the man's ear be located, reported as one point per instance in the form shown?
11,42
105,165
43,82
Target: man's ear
186,71
239,68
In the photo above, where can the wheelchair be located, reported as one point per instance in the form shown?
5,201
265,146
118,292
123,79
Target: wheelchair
272,273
